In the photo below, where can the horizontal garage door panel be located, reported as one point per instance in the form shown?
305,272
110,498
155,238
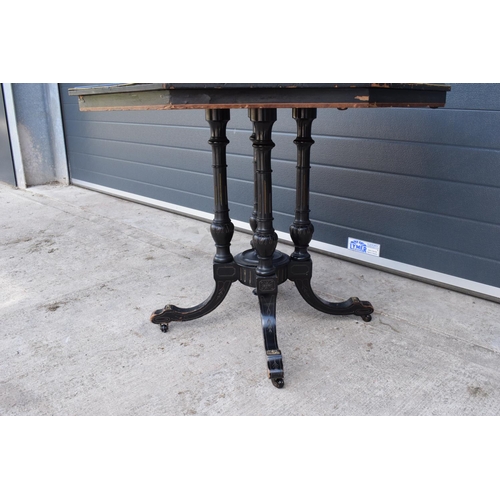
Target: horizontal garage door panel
419,227
424,256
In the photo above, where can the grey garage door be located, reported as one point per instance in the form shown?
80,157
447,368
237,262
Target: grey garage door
423,184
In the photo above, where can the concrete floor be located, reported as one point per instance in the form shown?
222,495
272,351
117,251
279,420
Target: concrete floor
80,273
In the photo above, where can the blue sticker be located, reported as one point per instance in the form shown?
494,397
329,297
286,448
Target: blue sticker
363,247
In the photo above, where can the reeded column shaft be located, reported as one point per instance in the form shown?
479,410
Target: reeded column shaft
301,231
265,238
222,229
253,217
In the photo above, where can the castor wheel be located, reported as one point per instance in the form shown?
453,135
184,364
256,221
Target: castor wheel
278,382
366,317
164,327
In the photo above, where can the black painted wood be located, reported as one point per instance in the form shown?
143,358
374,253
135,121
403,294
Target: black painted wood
267,291
193,96
224,276
145,87
262,266
302,229
265,238
222,229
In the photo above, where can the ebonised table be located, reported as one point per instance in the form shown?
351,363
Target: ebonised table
261,267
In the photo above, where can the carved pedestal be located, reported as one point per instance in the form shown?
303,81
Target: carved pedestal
262,267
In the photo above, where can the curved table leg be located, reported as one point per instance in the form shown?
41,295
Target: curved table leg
301,231
224,276
267,291
222,230
265,238
300,272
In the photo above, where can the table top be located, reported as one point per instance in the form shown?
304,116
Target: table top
143,96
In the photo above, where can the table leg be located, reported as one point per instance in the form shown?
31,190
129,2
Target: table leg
222,230
301,231
265,239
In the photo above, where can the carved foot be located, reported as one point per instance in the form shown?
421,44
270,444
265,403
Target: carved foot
224,275
275,368
301,272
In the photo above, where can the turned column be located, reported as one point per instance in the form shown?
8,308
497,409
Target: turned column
222,229
301,231
265,238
